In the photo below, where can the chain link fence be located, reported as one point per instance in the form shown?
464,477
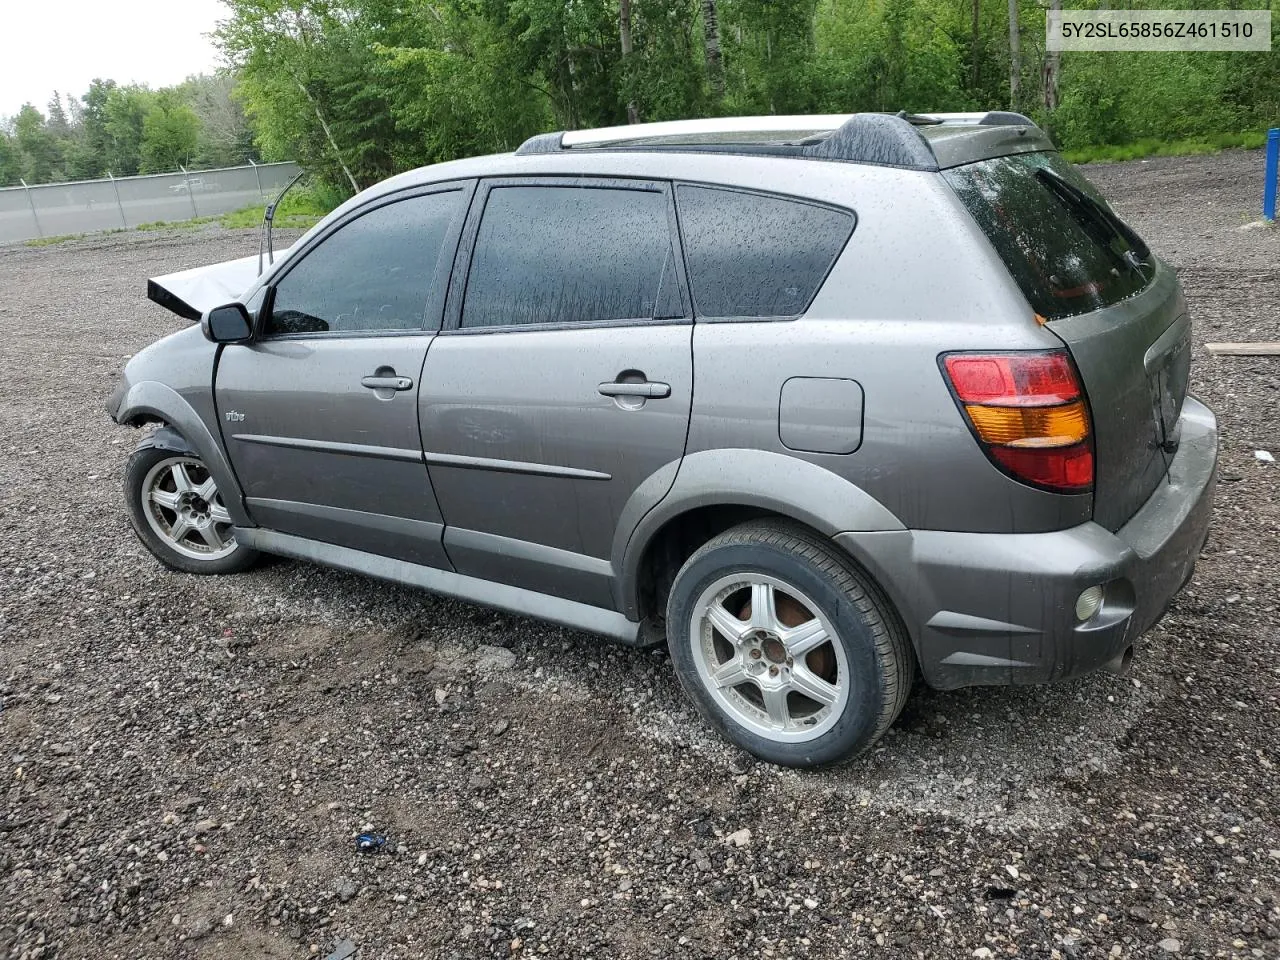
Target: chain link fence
57,209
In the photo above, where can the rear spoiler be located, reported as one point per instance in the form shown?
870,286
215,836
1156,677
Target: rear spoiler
189,293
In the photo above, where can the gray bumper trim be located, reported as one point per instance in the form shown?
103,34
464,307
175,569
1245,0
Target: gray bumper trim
999,608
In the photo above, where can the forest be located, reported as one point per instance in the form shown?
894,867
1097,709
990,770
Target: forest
356,90
125,131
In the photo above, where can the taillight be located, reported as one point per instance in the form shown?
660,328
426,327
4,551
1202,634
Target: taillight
1028,412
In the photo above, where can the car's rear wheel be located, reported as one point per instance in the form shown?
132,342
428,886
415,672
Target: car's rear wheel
786,646
178,514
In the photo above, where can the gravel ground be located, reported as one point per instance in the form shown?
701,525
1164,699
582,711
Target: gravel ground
186,761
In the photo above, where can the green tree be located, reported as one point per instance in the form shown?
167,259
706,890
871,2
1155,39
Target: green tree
125,111
170,132
454,86
298,58
57,123
669,76
86,154
226,136
38,148
899,55
10,163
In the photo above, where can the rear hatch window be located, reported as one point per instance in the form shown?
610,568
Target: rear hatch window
1065,248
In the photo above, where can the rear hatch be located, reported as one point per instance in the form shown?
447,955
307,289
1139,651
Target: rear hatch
1094,283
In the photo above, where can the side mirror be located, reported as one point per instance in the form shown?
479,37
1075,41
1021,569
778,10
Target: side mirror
230,323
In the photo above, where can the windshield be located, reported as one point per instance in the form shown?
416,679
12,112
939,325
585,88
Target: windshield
1064,246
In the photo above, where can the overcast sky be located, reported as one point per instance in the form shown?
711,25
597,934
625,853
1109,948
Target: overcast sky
48,45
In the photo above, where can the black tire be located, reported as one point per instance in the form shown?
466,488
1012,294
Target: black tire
135,479
877,651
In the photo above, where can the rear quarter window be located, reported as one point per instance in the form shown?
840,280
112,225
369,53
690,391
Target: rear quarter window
751,255
1064,246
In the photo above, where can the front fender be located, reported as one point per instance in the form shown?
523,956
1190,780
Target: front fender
150,400
781,484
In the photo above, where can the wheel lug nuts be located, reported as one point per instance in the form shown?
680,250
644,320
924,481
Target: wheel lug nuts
773,671
755,654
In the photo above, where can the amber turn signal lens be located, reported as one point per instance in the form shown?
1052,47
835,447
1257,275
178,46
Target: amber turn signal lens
1059,426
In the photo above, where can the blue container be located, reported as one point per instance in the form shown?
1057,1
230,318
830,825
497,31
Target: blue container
1273,173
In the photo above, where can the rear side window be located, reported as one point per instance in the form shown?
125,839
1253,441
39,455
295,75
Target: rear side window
373,274
547,254
1065,248
751,255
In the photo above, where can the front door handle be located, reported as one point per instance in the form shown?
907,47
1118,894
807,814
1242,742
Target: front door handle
387,383
647,389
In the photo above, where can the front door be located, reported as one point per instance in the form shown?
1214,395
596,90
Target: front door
319,412
562,382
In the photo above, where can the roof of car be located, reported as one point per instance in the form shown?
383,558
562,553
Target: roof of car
908,141
746,151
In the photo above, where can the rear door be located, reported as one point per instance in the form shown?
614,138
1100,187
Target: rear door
1093,282
562,382
319,413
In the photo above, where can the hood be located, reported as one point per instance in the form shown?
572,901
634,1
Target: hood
189,293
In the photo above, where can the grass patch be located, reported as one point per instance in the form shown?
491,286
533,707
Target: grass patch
302,207
248,217
252,217
177,224
53,241
67,238
1151,147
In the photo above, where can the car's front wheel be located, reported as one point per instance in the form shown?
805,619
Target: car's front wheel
786,646
178,514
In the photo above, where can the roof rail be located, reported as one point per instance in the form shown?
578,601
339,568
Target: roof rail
881,139
710,130
987,118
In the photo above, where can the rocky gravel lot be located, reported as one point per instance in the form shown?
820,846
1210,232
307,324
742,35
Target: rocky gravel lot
185,762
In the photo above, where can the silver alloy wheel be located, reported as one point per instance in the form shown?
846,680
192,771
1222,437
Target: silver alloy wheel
785,682
181,504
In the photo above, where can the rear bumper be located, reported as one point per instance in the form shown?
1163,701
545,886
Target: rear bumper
999,608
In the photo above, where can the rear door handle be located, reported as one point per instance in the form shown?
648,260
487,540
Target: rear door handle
647,389
387,383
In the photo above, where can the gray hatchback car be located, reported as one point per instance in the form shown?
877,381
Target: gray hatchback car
826,403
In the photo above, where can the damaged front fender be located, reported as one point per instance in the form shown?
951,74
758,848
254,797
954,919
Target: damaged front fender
184,431
167,438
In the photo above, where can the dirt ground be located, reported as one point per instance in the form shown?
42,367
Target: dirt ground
184,762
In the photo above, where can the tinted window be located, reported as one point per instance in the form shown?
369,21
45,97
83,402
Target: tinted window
1063,245
755,256
571,255
373,274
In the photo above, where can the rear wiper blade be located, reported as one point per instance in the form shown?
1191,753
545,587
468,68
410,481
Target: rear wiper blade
1072,196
